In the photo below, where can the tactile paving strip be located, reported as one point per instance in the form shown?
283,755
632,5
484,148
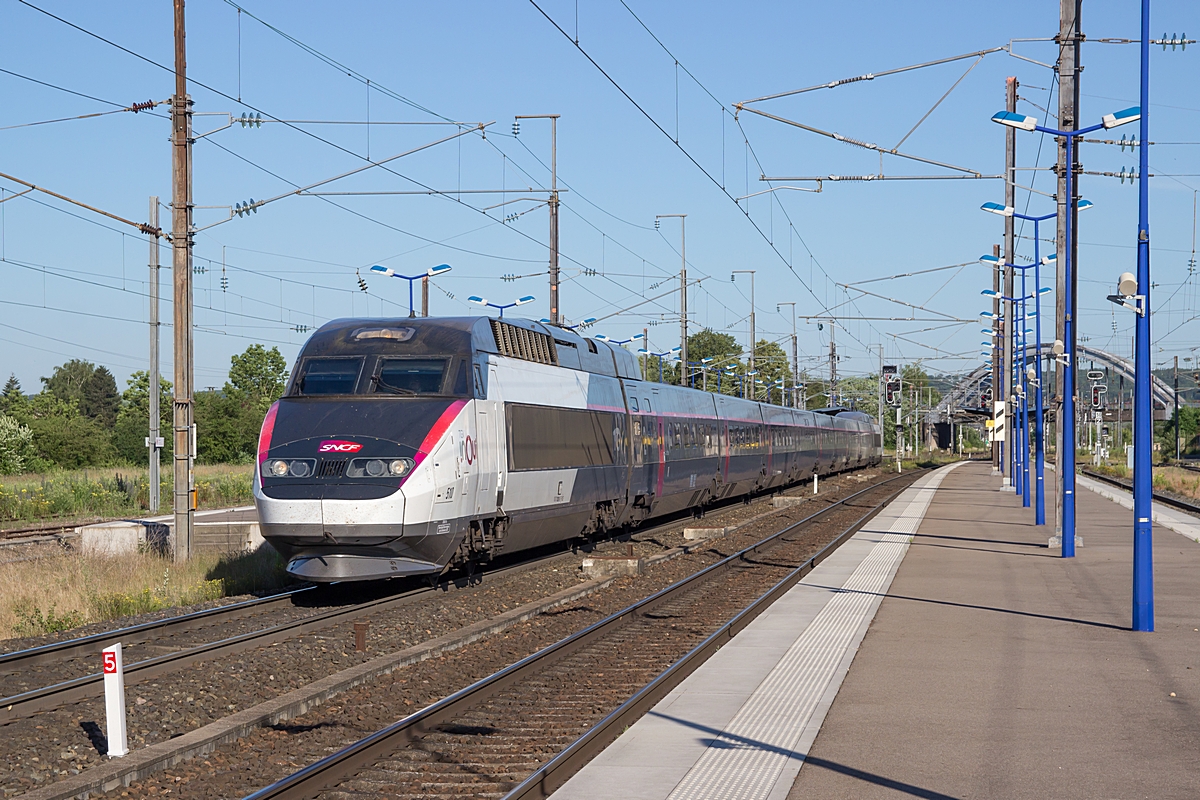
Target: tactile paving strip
746,759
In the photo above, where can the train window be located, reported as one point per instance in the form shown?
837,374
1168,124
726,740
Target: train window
648,408
633,403
329,376
544,437
410,376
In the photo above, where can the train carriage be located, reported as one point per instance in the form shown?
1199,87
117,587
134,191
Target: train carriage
403,445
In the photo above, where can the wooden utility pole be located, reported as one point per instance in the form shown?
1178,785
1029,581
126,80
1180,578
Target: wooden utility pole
1069,39
997,365
1176,408
181,265
1011,326
425,296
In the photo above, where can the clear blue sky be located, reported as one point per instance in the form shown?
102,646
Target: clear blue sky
74,284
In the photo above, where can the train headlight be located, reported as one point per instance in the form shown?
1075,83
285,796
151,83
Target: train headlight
289,468
379,467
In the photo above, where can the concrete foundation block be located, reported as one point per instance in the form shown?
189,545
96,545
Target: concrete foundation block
787,502
1056,541
227,537
696,534
612,566
124,536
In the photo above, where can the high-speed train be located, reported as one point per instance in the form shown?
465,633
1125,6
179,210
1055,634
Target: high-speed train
403,445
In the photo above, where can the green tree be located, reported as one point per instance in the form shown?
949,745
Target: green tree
68,380
133,420
1188,424
16,446
228,421
226,428
12,398
62,436
257,375
772,365
100,399
725,353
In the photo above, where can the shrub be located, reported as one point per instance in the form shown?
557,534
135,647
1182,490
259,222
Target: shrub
16,446
32,622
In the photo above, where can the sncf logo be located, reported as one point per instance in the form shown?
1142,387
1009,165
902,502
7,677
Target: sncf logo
339,446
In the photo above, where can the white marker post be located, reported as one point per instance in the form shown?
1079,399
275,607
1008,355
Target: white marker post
114,701
814,483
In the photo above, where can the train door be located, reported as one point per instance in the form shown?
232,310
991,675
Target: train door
498,460
487,435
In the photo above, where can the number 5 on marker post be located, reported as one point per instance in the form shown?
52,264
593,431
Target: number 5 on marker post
114,701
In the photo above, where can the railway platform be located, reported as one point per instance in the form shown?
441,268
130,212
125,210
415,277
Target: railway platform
944,652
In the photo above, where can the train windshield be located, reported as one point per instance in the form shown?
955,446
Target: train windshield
330,376
408,376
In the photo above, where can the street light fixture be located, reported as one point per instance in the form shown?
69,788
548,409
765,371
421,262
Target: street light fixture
1127,295
996,262
637,337
673,352
520,301
429,273
1067,451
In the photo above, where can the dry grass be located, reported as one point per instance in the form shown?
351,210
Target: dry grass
1182,482
111,492
57,592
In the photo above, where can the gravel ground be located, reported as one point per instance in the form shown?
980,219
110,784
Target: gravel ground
66,741
268,754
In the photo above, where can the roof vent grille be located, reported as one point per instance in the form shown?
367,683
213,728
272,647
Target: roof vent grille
527,345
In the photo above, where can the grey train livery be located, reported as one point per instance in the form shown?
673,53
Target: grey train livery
402,446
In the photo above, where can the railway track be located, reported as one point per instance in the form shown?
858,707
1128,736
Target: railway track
66,668
522,731
16,666
1165,499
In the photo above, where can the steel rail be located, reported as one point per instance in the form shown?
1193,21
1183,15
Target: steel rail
48,697
135,634
555,772
323,774
1159,497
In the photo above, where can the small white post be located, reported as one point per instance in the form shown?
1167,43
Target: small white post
114,701
814,483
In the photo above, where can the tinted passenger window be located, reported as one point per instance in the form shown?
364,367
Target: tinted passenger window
410,376
330,375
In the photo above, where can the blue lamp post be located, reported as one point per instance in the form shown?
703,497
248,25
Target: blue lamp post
673,352
1067,457
1143,528
1039,445
1020,380
1026,380
520,301
749,375
429,273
